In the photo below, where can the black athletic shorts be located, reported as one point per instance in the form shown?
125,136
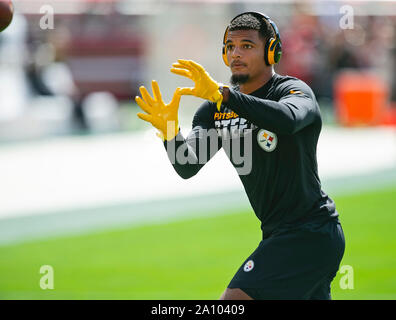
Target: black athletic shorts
293,264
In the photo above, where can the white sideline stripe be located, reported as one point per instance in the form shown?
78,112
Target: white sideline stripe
120,216
83,172
21,229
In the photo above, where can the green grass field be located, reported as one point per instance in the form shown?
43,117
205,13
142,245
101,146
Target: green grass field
194,259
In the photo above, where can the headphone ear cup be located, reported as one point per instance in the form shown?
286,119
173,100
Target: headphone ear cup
278,52
273,51
224,49
224,55
266,52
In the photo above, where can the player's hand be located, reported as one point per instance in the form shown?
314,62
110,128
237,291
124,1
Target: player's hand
205,86
162,116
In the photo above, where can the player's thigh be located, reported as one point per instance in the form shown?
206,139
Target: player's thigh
234,294
323,291
290,265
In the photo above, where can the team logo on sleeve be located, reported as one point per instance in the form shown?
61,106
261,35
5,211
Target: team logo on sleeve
248,266
267,140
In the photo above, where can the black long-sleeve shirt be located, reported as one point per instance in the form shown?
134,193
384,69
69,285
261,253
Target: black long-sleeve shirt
279,173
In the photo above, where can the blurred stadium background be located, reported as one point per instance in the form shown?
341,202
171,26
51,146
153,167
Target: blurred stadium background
86,187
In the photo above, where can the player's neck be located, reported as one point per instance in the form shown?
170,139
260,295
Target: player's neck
255,84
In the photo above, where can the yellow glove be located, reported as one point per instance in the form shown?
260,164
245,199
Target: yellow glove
162,116
205,86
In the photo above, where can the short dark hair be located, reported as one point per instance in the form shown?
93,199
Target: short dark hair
249,21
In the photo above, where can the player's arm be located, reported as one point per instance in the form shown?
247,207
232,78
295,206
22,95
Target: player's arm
188,155
295,109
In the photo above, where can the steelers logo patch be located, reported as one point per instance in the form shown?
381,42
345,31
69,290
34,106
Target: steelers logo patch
267,140
248,266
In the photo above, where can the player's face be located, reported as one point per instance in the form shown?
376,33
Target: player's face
245,54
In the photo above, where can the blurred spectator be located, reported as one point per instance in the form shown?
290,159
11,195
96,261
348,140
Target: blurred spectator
316,49
49,75
99,49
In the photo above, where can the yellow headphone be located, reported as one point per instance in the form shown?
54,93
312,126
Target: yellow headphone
273,47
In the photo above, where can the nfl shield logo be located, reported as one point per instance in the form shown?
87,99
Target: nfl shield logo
267,140
248,266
